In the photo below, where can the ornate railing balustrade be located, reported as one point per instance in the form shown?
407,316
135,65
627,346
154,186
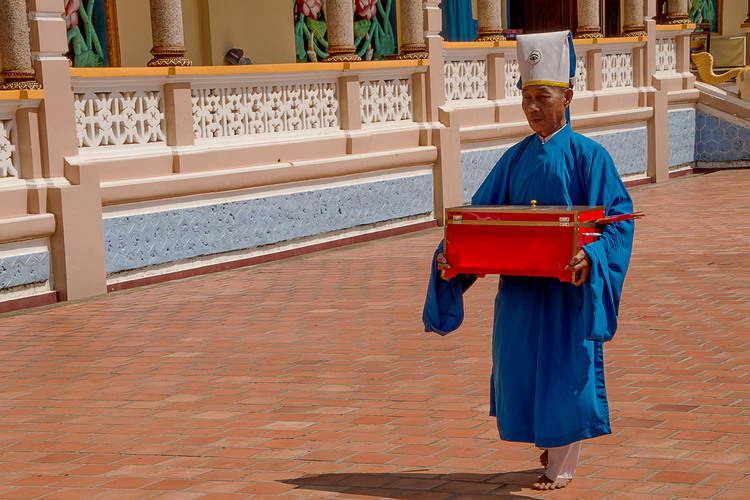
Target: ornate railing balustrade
249,104
481,84
114,112
666,51
10,156
262,107
472,68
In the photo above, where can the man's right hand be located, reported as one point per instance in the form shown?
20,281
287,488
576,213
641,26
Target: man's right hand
442,265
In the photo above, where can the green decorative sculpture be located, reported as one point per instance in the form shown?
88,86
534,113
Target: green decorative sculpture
703,11
85,46
373,31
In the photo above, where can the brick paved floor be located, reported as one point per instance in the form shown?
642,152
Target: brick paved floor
311,378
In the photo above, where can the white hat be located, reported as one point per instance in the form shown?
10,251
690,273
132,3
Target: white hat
546,59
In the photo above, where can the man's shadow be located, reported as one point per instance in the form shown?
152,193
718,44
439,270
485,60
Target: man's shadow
420,484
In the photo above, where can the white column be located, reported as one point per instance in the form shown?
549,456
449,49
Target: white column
340,31
167,33
15,47
588,19
490,19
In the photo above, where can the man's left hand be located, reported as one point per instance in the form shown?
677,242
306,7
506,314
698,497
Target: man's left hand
580,264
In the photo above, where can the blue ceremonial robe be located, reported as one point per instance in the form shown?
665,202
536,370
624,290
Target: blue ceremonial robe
547,383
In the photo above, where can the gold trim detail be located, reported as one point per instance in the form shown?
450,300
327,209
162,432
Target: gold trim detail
169,56
19,79
589,32
573,225
489,35
524,209
113,33
20,85
348,57
413,55
545,82
678,18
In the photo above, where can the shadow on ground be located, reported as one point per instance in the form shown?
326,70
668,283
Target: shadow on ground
403,485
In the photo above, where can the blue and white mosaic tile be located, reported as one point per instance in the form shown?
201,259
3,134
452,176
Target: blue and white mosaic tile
26,269
681,136
628,149
720,140
475,166
137,241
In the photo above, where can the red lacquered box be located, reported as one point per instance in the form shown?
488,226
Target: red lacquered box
518,240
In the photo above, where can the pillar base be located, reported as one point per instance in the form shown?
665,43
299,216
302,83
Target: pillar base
342,54
169,56
678,18
413,51
351,57
413,55
589,32
19,80
489,35
634,31
490,38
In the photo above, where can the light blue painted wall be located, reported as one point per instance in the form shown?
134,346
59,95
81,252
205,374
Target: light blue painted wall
682,135
475,165
149,239
628,148
25,269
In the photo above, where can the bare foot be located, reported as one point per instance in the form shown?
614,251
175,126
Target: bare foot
545,483
544,459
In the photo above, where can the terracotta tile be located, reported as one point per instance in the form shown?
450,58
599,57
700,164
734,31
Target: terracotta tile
239,383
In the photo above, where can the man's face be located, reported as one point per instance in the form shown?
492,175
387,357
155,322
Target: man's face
544,107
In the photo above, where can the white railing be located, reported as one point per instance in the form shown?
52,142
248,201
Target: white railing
582,78
254,110
8,153
466,79
617,69
666,53
384,100
512,75
119,117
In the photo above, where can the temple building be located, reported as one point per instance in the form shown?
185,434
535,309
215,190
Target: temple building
143,141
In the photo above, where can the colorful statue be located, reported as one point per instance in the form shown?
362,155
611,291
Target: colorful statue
703,11
373,32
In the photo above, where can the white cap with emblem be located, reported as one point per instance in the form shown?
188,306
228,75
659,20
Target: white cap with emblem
546,59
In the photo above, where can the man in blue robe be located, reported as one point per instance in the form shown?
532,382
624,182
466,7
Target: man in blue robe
547,383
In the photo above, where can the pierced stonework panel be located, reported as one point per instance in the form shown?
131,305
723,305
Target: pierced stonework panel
617,70
385,100
8,157
666,54
264,109
582,75
119,118
465,80
512,75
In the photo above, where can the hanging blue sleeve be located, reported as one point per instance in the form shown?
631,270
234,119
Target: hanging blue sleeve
444,305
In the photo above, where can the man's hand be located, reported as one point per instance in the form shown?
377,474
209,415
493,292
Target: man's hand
442,265
581,266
